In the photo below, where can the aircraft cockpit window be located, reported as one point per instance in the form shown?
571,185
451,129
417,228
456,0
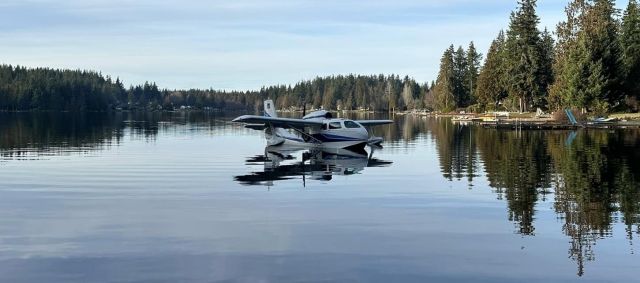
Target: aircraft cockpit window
335,125
351,125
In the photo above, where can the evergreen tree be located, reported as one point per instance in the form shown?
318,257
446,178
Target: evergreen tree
445,88
491,82
525,57
588,58
461,88
473,69
601,42
567,87
546,72
630,45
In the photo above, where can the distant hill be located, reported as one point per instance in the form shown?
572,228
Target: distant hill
24,89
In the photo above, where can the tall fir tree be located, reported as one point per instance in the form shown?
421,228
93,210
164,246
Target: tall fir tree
546,72
630,45
525,57
461,88
444,89
491,87
473,69
603,89
567,86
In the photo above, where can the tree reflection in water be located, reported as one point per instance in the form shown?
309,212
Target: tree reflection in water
34,135
594,175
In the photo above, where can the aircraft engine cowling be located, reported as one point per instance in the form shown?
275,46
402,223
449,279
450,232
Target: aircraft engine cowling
323,114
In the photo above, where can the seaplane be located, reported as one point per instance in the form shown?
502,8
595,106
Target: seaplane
318,129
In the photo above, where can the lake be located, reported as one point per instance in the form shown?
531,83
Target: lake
191,197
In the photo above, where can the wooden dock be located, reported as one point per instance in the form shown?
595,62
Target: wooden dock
547,125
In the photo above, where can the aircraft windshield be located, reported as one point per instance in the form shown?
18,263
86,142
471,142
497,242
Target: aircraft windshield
351,124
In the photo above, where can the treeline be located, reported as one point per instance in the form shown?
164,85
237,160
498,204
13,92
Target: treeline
457,80
42,88
24,89
352,92
593,65
72,90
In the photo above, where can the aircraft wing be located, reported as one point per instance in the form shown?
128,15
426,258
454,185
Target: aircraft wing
278,122
370,123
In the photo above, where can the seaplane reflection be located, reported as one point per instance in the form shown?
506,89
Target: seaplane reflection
280,163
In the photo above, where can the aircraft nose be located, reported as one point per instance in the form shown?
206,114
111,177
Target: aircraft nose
365,133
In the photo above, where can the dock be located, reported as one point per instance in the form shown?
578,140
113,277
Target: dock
549,125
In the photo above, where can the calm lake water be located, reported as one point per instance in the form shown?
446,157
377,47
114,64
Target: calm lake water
191,197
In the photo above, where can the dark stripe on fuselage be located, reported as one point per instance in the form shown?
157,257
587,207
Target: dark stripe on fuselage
333,138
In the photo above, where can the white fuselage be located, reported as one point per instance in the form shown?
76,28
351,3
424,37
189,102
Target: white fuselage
334,133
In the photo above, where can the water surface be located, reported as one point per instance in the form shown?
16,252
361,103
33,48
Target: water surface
191,197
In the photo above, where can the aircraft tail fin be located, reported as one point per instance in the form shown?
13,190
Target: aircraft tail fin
270,109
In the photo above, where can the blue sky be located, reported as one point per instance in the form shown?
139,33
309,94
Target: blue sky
245,44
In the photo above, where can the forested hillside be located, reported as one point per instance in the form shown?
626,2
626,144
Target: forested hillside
71,90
